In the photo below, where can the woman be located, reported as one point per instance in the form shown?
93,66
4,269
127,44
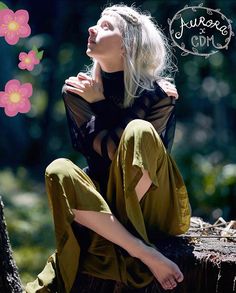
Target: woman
123,123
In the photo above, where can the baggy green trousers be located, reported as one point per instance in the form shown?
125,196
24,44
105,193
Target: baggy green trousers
164,207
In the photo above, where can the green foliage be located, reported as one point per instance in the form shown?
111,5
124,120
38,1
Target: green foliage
3,6
205,137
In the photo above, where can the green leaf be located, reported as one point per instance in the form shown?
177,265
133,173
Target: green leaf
35,49
39,55
3,6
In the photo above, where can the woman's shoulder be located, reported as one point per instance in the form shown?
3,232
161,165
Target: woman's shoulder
158,96
156,90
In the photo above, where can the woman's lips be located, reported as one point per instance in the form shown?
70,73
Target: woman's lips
91,41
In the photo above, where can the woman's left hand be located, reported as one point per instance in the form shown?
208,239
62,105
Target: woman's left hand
83,85
169,88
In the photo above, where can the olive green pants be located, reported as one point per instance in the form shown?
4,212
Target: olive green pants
164,207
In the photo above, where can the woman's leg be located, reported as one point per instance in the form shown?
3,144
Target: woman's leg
66,192
68,187
164,270
106,225
141,161
143,185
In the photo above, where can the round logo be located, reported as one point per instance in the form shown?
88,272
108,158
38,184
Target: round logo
200,30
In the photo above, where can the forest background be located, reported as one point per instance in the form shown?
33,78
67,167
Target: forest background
205,139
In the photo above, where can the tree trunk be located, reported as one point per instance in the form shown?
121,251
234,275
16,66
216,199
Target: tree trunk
9,277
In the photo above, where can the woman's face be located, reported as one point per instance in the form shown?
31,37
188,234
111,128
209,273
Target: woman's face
105,40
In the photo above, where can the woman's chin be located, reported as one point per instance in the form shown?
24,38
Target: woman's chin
89,52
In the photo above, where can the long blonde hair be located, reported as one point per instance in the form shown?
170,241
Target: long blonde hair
147,56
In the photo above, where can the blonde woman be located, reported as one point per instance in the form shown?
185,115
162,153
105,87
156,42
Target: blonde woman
108,216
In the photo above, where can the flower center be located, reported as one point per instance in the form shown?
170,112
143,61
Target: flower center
27,60
15,97
13,26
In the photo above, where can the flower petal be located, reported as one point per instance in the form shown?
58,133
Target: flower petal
26,90
30,66
11,110
24,107
32,54
6,16
11,38
3,99
22,55
36,61
21,16
24,31
3,29
12,85
22,65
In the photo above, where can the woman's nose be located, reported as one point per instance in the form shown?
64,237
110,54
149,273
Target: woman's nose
92,30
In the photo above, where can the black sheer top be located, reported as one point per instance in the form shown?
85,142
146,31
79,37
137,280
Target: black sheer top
96,128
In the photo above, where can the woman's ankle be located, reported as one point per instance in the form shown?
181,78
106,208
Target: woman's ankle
137,248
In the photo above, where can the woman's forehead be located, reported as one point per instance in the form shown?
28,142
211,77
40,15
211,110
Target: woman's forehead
107,17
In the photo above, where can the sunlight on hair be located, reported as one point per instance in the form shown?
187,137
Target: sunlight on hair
147,57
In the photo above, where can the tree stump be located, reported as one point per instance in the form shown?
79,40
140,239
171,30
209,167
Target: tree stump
207,260
9,277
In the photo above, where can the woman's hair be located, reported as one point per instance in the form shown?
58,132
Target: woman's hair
147,55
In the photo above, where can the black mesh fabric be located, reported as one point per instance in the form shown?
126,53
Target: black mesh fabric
96,128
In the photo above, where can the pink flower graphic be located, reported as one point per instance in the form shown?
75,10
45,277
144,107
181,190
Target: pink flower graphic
14,25
28,61
16,97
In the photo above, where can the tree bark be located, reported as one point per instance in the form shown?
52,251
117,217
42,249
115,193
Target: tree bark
9,276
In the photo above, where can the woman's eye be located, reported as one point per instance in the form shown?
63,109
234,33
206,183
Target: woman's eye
105,26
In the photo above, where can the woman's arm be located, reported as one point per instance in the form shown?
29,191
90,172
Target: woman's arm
154,106
86,114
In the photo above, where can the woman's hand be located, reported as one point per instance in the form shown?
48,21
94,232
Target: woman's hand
169,88
83,85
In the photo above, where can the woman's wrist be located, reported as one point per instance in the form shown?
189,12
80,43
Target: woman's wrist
97,99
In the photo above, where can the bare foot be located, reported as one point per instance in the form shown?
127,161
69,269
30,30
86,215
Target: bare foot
163,269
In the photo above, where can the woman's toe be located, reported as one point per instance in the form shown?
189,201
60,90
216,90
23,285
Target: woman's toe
172,283
179,277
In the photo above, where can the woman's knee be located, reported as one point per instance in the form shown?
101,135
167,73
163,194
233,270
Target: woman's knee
141,129
138,125
58,167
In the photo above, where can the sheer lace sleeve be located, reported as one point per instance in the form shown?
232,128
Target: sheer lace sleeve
154,106
92,127
162,116
81,120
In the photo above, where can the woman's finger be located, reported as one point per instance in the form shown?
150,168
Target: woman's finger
75,84
83,76
73,90
172,93
169,88
72,78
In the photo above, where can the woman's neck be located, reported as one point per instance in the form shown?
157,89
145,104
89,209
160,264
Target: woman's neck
111,65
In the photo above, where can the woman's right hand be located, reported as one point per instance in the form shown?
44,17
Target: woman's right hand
85,86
